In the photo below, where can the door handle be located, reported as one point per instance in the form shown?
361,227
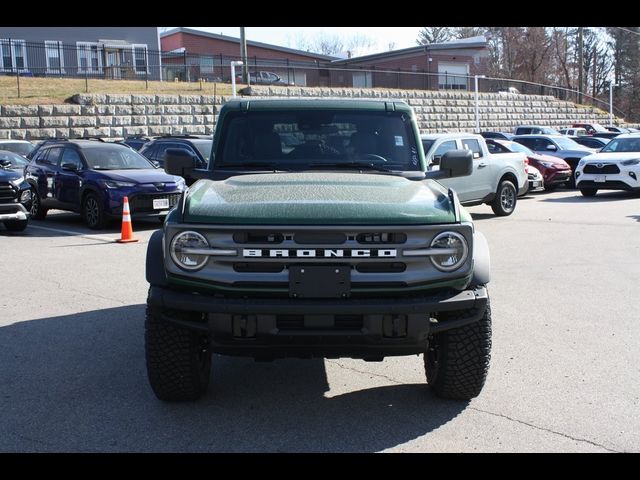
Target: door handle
482,165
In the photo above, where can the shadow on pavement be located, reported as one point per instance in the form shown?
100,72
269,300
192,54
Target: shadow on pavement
614,196
78,383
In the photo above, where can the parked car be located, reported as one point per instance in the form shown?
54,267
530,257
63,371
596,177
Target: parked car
198,146
93,178
37,147
15,193
557,146
555,171
265,78
573,132
500,135
136,142
608,135
591,142
536,181
496,180
591,128
535,130
615,167
614,129
21,147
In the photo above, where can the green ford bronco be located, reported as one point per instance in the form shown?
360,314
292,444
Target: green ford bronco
317,231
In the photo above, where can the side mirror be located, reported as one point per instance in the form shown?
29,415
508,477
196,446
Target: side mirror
551,147
5,163
70,167
178,161
454,163
436,160
155,163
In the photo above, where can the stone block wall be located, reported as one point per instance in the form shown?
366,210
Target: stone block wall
117,116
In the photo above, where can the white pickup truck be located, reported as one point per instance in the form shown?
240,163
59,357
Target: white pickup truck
496,180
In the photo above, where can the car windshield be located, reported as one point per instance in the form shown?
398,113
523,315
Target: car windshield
12,160
599,128
305,139
518,147
115,157
568,144
622,145
548,131
17,147
204,147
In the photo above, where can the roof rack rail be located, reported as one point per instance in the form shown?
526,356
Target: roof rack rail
181,135
97,139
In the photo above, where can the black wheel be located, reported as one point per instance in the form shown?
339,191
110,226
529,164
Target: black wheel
37,210
162,218
16,226
178,360
93,212
506,197
457,361
589,192
551,188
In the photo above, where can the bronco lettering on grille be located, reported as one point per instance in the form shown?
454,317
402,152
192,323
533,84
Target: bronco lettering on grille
320,252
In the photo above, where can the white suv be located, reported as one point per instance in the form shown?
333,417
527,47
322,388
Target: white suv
615,167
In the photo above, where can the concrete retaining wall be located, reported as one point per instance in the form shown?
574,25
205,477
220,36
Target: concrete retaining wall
117,116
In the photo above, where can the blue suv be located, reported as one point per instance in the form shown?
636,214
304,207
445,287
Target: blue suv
93,177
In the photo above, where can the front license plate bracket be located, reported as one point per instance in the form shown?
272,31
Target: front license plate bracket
319,281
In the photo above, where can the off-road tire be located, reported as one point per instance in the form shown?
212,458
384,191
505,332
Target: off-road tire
457,361
38,212
16,226
178,360
506,198
589,192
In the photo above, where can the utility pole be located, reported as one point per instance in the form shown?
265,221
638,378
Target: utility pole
580,64
243,56
595,69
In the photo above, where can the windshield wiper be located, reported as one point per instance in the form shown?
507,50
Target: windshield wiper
352,165
264,165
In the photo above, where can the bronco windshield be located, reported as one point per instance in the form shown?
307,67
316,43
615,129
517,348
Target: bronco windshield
307,139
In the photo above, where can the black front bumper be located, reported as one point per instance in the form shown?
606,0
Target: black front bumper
279,327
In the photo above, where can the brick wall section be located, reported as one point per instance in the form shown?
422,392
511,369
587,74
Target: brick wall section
117,116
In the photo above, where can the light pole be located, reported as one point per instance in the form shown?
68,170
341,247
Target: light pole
611,85
476,77
233,76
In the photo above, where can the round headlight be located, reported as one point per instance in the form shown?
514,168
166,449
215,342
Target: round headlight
456,254
180,246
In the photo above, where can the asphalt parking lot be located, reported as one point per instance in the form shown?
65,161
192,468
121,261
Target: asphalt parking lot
564,376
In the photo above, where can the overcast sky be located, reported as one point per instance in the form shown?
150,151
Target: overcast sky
401,37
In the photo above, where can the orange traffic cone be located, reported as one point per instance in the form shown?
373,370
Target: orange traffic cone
126,235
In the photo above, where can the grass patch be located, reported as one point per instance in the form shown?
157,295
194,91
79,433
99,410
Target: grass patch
34,91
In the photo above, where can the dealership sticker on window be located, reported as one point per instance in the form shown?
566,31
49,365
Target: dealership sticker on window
399,141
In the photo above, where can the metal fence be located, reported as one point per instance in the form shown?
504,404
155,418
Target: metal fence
136,62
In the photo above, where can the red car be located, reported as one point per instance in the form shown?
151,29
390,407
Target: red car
554,170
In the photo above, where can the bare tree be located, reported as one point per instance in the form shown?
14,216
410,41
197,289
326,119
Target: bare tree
434,35
328,44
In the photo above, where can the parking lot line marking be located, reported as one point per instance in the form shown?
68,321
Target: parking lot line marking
71,232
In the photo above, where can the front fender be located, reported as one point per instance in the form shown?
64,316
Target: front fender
481,260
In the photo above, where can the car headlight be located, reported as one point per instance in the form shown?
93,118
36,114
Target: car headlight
581,163
628,163
456,251
547,164
17,181
180,184
181,250
116,184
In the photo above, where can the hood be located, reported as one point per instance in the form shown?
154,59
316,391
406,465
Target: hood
316,198
7,174
612,156
142,175
557,162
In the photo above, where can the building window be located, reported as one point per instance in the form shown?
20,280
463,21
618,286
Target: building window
453,76
55,56
13,55
140,58
89,57
362,80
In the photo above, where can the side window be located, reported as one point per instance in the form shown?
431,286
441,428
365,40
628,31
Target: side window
54,155
543,143
496,148
528,142
149,152
441,150
41,156
523,131
70,155
473,145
